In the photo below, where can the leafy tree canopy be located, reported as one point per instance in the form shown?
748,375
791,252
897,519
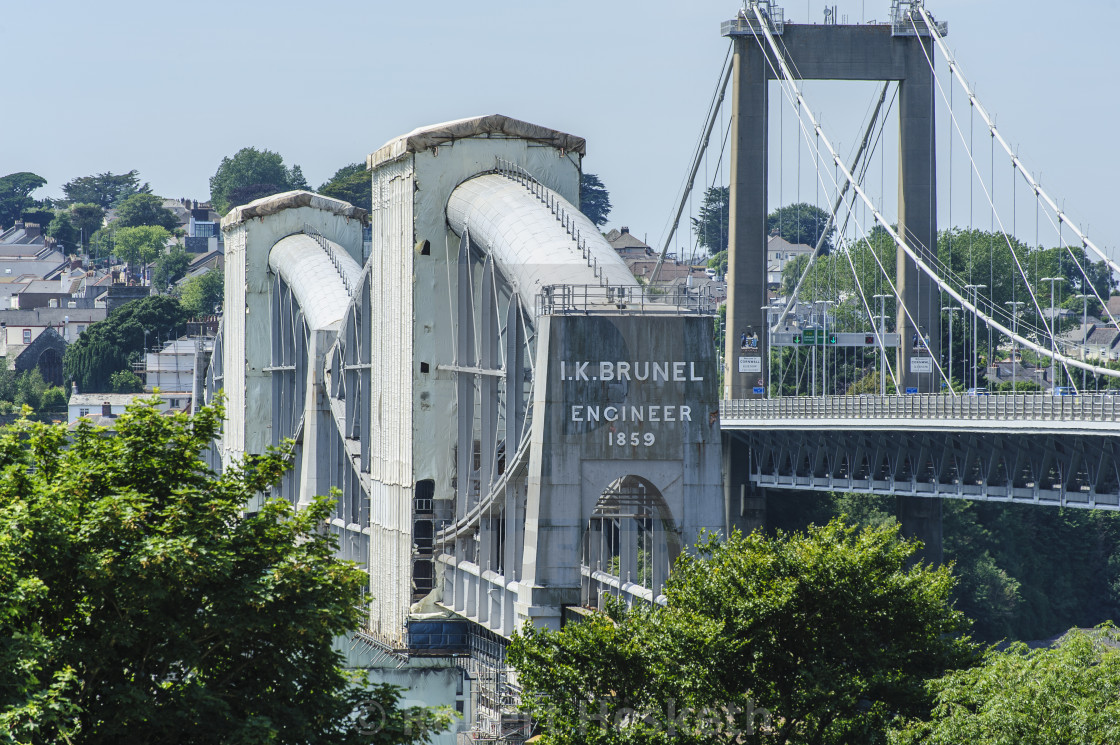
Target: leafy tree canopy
104,189
801,223
594,199
1050,696
250,167
352,184
145,209
712,225
833,633
170,267
87,218
201,293
108,346
15,195
139,245
142,605
39,215
62,229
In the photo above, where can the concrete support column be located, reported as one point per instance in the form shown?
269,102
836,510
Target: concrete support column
920,517
917,216
744,506
746,256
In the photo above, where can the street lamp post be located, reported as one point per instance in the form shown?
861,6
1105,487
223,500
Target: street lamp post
975,340
1053,338
1015,305
1084,330
824,347
951,309
882,343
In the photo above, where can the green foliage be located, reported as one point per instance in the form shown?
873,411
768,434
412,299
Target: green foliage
38,215
170,267
136,210
719,262
1023,572
1051,696
62,229
125,381
801,223
87,218
107,346
594,199
712,225
105,189
29,389
15,195
202,292
139,245
252,171
352,184
142,605
833,632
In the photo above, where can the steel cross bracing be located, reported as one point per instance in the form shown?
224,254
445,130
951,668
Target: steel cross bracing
1029,448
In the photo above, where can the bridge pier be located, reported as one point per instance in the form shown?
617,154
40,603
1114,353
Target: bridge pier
920,517
744,501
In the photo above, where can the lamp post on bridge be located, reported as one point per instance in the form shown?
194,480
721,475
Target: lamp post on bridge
975,339
1015,305
951,309
1084,330
882,343
1053,337
824,345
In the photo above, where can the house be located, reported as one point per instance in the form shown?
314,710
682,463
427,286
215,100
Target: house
177,369
779,252
26,253
19,328
100,407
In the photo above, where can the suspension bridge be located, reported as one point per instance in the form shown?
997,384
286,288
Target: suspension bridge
517,428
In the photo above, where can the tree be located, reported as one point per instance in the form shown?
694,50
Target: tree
170,267
202,292
108,346
800,223
712,225
136,210
832,632
139,245
104,189
87,218
594,199
38,215
250,167
1049,696
62,229
125,381
143,605
352,184
15,195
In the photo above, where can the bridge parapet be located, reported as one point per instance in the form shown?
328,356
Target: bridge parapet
1091,414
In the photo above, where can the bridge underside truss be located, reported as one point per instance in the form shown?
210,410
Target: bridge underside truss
1055,469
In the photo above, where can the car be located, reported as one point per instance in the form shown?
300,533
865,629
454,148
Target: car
1062,390
976,392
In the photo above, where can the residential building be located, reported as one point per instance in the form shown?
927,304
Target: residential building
779,252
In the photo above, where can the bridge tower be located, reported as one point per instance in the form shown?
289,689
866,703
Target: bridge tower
897,51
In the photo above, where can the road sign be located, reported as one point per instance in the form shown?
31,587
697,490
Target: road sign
759,390
921,364
911,390
749,364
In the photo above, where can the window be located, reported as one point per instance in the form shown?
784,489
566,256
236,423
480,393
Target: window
27,336
83,412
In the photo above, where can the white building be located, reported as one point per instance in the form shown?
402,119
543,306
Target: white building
780,252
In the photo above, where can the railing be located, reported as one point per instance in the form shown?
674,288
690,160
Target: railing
331,254
1007,407
746,24
585,299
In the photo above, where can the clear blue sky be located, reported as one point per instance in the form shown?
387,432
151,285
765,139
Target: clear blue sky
171,88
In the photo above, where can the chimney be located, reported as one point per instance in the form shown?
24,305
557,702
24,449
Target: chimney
32,230
106,409
74,388
624,230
